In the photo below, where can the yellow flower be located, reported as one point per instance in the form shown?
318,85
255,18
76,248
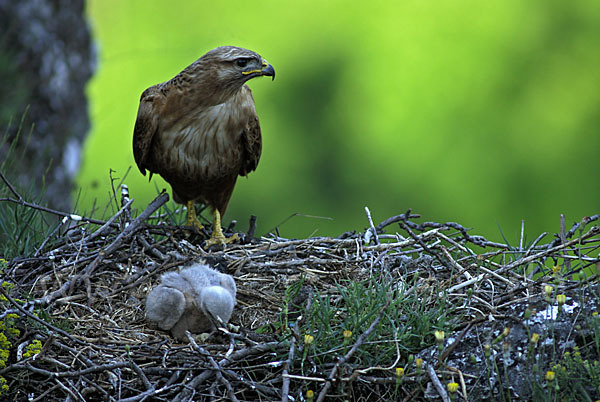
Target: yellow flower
347,334
548,290
399,372
439,336
419,363
550,375
535,337
310,394
308,339
506,332
556,269
561,299
452,387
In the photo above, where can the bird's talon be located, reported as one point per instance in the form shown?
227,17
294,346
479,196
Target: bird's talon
221,240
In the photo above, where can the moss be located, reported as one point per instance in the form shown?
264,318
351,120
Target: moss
5,346
33,348
3,386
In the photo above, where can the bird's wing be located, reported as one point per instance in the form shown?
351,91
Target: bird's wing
146,126
251,142
165,305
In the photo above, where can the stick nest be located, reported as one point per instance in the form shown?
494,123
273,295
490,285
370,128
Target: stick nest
82,296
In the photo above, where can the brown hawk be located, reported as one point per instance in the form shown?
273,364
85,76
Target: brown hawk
199,130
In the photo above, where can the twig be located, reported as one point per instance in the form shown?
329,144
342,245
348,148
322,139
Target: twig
24,203
522,234
581,224
76,396
109,223
113,195
425,246
535,242
437,384
64,374
251,227
592,232
458,339
11,188
371,226
236,356
149,393
285,387
213,363
126,203
50,235
151,248
477,240
402,217
141,375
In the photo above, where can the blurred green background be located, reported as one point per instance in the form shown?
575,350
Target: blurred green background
480,112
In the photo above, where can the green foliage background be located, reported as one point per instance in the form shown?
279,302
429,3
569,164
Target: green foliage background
481,112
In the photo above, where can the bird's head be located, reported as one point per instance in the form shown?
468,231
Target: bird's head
229,67
239,64
215,302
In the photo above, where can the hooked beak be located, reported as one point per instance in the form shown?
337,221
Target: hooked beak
266,69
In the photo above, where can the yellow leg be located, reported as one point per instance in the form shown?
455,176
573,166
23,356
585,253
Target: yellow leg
192,219
217,237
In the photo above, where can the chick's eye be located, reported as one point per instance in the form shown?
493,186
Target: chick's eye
241,62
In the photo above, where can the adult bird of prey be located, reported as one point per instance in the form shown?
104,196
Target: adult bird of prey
199,130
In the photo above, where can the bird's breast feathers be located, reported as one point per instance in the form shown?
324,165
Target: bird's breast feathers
206,142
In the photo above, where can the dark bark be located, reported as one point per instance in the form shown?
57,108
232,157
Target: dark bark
46,58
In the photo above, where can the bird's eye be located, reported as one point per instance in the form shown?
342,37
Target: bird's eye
241,62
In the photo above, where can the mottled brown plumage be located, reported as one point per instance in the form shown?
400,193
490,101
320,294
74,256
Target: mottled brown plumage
199,130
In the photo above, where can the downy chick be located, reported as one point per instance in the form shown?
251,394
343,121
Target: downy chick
191,300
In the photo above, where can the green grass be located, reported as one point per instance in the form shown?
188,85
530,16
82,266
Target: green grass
22,229
334,322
